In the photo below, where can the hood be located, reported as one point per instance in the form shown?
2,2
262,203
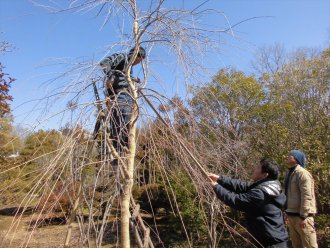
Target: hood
274,190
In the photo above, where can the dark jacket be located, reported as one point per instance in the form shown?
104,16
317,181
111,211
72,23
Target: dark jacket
114,66
262,202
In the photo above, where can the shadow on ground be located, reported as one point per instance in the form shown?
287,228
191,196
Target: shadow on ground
13,211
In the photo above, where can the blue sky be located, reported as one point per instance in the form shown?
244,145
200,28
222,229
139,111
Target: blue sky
40,37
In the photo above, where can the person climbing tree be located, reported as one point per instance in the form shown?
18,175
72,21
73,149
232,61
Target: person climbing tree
119,92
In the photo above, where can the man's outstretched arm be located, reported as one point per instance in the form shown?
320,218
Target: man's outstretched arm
243,201
235,185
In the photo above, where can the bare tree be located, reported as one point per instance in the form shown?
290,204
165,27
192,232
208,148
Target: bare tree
269,59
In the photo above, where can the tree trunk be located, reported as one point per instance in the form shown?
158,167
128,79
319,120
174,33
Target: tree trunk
128,184
128,181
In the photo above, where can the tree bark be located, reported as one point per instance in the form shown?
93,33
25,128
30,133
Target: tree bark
129,168
128,182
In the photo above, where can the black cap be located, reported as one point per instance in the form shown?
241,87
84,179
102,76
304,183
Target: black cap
141,52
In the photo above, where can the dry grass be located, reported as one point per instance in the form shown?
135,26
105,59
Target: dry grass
50,232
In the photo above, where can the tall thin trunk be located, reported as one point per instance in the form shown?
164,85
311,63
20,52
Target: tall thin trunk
129,168
128,182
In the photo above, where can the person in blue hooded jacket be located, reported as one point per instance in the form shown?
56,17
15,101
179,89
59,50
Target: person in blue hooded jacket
261,200
119,92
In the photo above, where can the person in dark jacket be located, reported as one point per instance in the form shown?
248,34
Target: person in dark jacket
261,200
119,92
114,67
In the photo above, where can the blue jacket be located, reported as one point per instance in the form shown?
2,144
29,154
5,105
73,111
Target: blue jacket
115,65
262,202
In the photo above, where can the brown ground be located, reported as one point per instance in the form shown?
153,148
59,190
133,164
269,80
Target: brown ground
48,235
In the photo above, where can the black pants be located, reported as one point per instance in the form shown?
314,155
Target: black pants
279,245
119,124
120,120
